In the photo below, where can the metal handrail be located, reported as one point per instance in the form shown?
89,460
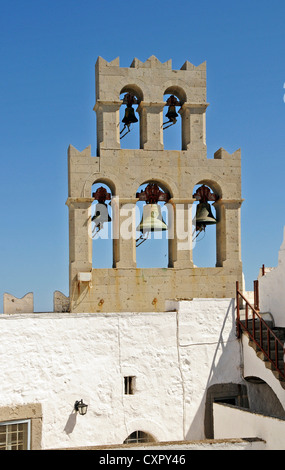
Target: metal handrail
262,324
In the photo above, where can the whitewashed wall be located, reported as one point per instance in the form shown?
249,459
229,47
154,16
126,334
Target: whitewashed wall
272,291
268,428
58,358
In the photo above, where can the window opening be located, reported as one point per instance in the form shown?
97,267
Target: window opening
138,436
15,435
204,237
101,228
129,385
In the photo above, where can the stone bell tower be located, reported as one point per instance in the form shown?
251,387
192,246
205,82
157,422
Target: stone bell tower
124,287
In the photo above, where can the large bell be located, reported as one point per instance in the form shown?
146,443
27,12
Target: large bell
171,114
101,215
129,117
204,216
151,219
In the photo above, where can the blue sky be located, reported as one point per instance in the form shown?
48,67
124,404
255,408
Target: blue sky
48,52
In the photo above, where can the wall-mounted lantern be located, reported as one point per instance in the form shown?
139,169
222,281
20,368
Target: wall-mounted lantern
80,407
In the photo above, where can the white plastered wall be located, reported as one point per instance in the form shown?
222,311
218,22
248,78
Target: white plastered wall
57,358
271,289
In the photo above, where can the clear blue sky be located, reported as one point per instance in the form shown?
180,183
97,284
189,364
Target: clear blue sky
48,52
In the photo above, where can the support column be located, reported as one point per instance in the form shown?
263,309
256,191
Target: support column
108,124
228,232
180,233
125,231
194,126
151,132
80,239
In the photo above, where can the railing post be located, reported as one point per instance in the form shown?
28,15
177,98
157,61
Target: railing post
238,312
256,294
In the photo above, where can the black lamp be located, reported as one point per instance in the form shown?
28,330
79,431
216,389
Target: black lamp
80,407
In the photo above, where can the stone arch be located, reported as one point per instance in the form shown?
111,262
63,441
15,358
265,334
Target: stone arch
134,89
108,182
97,178
166,184
177,91
213,185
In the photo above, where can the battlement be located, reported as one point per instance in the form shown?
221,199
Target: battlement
152,62
150,80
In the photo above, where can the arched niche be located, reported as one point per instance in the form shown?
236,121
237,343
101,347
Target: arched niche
102,235
172,134
130,140
205,244
154,251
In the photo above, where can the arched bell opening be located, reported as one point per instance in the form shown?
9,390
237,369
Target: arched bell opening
174,97
152,226
131,96
101,227
204,225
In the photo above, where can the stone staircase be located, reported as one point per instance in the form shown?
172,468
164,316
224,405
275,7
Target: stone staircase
267,343
264,337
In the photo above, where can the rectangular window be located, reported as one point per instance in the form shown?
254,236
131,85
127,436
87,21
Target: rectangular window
129,383
15,435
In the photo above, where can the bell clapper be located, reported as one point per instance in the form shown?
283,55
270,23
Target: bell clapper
172,124
143,239
129,130
198,230
96,230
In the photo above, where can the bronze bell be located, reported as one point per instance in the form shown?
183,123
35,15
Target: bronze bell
204,216
171,114
101,215
129,117
151,219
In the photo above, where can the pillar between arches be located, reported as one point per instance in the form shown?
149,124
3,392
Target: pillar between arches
151,118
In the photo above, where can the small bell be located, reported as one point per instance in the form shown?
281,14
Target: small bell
129,117
101,216
171,114
204,216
